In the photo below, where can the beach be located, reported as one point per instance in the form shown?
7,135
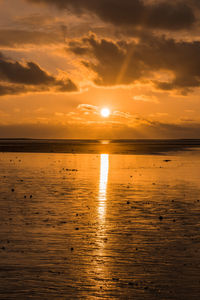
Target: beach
101,223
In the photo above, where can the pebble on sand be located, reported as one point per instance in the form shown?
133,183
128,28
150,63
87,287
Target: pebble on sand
160,218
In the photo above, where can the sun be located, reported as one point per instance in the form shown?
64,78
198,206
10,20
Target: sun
105,112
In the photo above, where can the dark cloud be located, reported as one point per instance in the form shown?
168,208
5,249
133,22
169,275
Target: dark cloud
110,58
17,89
123,63
30,73
29,77
12,90
78,48
171,15
66,86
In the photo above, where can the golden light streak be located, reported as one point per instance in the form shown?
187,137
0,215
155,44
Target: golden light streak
125,66
104,168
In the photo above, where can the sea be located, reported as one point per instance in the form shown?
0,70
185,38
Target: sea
99,219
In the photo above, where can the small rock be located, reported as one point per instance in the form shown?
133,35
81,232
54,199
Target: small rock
63,222
115,279
160,218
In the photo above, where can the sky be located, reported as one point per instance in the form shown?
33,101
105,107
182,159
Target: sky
62,61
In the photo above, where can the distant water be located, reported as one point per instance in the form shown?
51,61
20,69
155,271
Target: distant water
100,226
97,146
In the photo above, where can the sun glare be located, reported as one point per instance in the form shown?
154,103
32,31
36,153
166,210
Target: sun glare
105,112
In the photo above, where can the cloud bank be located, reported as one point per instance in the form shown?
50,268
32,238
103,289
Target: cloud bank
123,63
174,15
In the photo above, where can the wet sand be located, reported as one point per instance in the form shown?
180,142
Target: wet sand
91,226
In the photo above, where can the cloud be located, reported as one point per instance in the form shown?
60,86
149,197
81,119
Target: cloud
157,14
16,78
146,98
30,73
88,108
91,130
109,58
12,90
17,37
35,20
121,114
96,111
151,58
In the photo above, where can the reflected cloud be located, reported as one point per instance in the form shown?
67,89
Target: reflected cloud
104,168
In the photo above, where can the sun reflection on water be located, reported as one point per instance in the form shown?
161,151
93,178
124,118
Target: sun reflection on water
100,268
104,168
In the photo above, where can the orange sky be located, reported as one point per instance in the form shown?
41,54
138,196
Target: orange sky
62,61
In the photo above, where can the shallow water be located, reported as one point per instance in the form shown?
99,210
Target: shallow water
87,226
